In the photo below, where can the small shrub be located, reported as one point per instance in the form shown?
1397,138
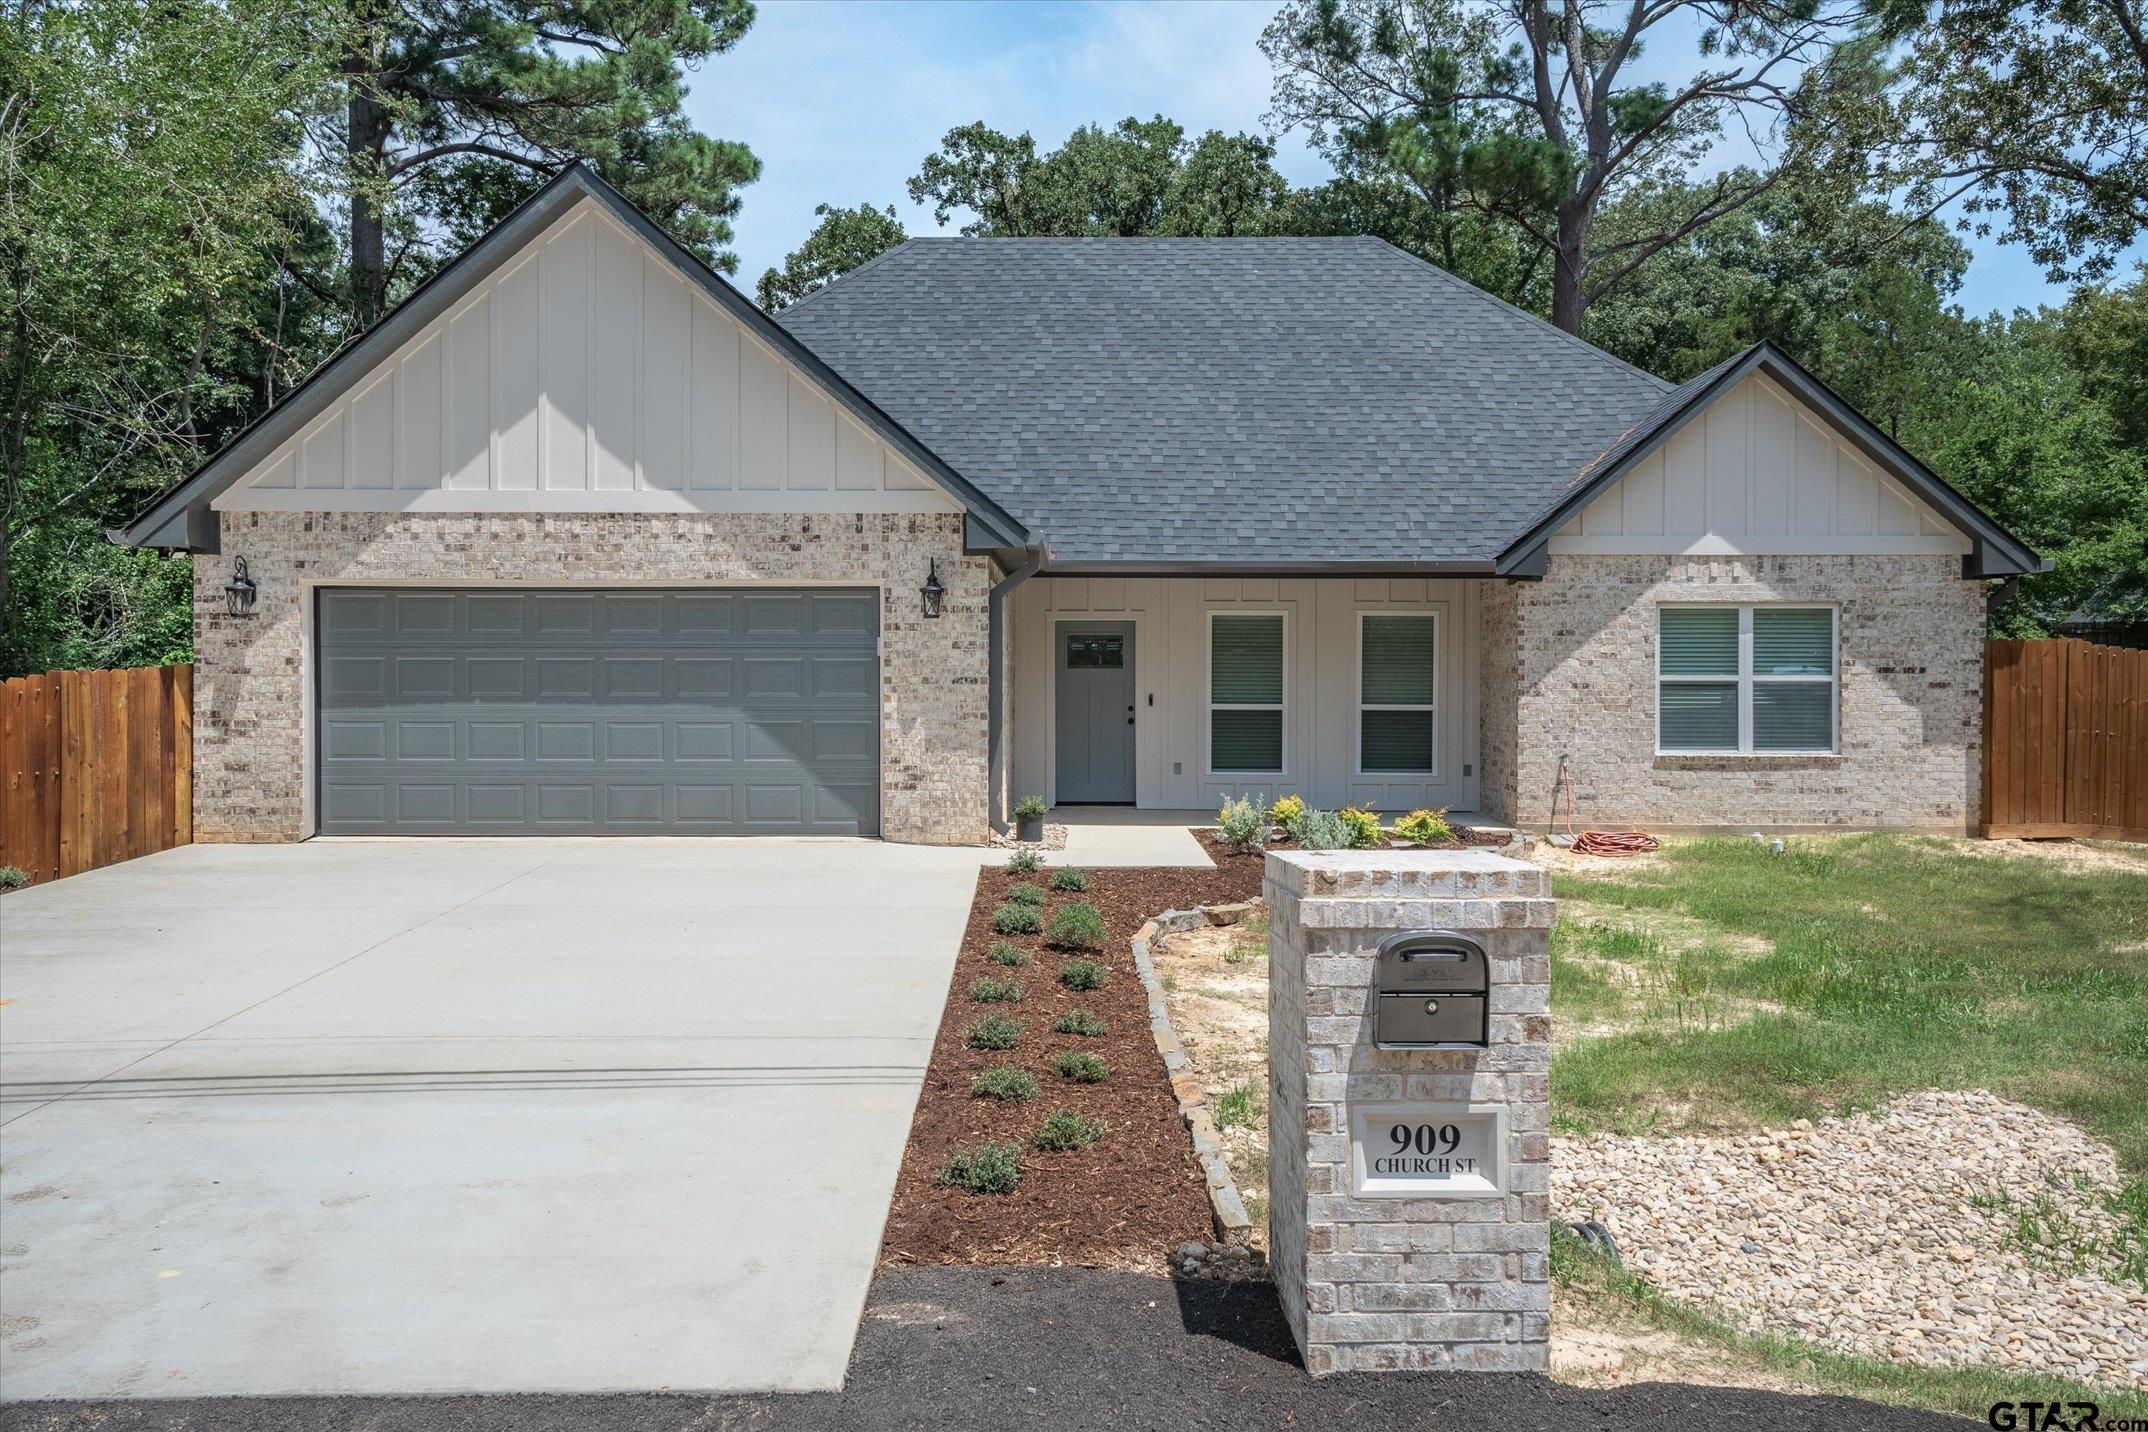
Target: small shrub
1362,827
1077,925
1012,956
1238,1106
1025,894
13,877
1064,1131
1006,1083
1323,830
1082,975
1024,862
986,990
1080,1066
1287,812
995,1031
988,1168
1241,825
1030,805
1082,1022
1424,827
1014,919
1070,879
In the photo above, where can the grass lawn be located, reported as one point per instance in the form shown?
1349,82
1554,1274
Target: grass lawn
1726,985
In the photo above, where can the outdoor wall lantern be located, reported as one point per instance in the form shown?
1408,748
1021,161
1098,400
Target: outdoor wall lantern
932,591
239,591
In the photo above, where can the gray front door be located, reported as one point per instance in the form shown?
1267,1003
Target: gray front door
1095,716
561,712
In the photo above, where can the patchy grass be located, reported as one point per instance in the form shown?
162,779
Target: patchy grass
1728,985
1601,1290
1240,1106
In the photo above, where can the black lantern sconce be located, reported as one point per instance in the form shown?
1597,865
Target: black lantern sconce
239,591
932,591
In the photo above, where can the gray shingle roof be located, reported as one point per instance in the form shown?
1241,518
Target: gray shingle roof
1227,400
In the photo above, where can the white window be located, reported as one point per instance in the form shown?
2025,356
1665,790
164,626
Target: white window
1396,682
1245,693
1757,679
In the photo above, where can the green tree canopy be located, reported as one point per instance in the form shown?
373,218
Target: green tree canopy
843,239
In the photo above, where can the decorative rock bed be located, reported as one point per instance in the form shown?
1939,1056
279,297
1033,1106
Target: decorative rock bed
1233,1227
1890,1234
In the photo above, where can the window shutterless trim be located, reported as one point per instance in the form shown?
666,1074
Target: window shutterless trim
1744,679
1208,697
1431,771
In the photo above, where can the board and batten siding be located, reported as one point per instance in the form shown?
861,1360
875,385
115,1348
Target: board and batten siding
1758,473
1170,617
586,375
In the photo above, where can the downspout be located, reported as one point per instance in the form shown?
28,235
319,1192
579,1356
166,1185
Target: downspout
995,675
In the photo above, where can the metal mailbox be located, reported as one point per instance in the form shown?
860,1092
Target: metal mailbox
1430,989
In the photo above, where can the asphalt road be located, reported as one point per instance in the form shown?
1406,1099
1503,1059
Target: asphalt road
1046,1348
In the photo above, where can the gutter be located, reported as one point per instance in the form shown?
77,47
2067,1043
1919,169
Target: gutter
995,676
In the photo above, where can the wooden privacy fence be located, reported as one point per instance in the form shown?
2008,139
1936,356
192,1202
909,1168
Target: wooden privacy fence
2065,740
95,767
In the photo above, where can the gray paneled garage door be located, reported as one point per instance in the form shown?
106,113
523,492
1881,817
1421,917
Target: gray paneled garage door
720,712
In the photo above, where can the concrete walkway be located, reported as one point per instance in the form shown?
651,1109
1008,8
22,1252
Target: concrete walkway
460,1115
1107,836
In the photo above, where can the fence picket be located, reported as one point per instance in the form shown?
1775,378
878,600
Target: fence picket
2065,740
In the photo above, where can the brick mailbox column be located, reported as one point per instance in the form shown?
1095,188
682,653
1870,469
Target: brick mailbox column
1408,1187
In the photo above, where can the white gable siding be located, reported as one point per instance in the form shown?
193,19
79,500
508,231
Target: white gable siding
586,376
1757,473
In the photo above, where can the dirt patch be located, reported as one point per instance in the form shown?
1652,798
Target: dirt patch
1216,991
1124,1202
1592,1346
2088,857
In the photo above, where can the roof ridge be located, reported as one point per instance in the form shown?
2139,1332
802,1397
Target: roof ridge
805,299
1519,312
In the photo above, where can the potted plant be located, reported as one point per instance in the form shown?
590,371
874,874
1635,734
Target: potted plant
1029,820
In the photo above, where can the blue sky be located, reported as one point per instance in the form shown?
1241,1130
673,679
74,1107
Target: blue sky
842,98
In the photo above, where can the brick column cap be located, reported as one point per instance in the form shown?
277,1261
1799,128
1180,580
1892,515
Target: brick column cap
1406,874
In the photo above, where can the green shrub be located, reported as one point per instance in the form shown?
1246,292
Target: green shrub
1026,894
995,1031
986,990
1080,1066
1064,1130
1070,879
1005,1082
1024,862
13,877
1238,1105
1362,827
988,1168
1322,830
1014,919
1082,974
1242,825
1030,805
1077,925
1082,1022
1003,953
1424,827
1287,812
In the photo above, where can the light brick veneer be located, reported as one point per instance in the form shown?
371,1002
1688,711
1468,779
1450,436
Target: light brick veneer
1375,1284
1582,683
250,729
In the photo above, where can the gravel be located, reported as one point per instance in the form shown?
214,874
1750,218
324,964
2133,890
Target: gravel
1891,1234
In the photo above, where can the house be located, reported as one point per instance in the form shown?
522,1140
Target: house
578,540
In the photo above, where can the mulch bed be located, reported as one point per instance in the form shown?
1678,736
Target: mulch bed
1124,1202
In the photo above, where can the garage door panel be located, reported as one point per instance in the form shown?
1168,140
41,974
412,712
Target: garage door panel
547,712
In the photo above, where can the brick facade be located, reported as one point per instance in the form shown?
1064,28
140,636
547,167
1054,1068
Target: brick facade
251,737
1377,1284
1570,665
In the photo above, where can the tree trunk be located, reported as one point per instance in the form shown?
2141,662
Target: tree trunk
367,144
1569,300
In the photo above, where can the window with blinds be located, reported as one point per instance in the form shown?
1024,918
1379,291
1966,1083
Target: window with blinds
1755,679
1245,693
1396,686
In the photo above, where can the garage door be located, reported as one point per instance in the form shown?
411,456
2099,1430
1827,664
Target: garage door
717,712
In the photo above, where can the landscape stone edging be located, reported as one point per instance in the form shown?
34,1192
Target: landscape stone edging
1225,1204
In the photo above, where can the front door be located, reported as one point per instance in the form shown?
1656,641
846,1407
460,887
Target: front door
1096,713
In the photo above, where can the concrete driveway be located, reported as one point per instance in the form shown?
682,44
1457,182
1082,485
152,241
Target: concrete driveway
459,1115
